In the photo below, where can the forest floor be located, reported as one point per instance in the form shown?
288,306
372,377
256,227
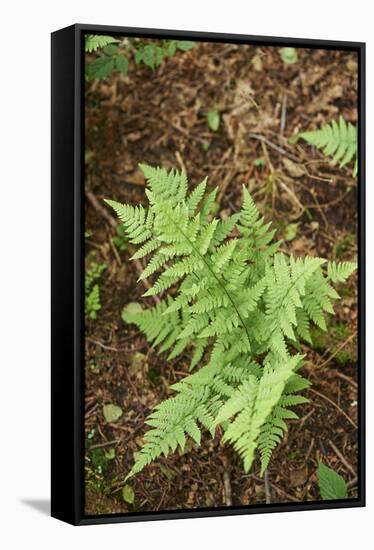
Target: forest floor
160,117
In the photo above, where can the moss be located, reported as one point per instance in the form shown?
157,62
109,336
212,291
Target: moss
341,248
335,336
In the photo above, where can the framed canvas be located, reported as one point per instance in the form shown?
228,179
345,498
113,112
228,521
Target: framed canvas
208,265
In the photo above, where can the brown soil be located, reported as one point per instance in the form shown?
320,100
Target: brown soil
159,117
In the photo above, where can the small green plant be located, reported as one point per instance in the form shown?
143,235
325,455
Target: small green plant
288,55
92,290
259,162
152,55
241,307
337,140
115,55
120,238
290,231
213,120
332,486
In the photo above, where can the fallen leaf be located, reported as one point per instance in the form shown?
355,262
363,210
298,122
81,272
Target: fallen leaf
299,476
295,170
257,63
213,120
112,412
128,494
291,231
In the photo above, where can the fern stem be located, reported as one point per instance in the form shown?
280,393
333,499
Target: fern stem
214,275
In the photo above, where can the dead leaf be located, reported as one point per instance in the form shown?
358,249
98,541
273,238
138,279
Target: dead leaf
136,178
299,476
294,170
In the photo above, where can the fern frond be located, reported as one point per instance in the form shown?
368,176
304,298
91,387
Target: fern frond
337,139
237,302
94,41
340,272
243,432
160,330
171,422
196,196
273,429
137,225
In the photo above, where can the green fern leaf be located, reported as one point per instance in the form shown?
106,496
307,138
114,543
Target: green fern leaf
94,41
337,139
339,272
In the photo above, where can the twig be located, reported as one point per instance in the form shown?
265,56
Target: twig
290,497
352,483
178,156
278,489
294,198
227,493
273,146
283,114
339,348
343,377
335,405
308,453
267,487
115,251
227,488
103,211
104,346
106,444
91,411
305,418
187,134
342,459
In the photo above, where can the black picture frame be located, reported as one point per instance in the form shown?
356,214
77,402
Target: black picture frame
67,453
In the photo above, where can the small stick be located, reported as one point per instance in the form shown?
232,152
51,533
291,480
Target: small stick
267,487
339,348
103,211
290,497
278,489
294,197
336,406
352,483
344,377
273,146
187,134
309,451
227,493
283,115
115,251
342,459
305,418
227,488
104,346
91,411
106,444
178,156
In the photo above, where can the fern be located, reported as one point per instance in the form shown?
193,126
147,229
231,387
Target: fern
337,139
94,41
243,307
92,289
